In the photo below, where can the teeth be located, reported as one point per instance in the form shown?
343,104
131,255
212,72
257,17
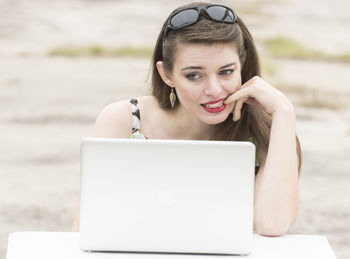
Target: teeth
211,106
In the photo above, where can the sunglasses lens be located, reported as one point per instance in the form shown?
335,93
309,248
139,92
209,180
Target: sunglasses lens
184,18
220,14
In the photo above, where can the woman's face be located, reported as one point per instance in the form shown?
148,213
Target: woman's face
204,76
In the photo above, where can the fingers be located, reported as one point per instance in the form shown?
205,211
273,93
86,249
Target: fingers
242,93
238,108
238,98
230,99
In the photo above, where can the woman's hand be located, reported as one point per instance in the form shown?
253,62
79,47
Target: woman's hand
258,93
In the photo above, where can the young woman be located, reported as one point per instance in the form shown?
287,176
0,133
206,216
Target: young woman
206,85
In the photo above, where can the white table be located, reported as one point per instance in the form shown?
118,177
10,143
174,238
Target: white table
65,245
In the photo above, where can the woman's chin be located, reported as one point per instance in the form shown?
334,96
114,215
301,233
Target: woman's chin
215,118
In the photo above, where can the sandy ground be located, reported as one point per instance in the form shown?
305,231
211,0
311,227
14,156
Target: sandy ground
48,104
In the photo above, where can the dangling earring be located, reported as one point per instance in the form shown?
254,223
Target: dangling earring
172,98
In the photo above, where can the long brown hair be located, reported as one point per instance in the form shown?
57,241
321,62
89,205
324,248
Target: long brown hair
255,123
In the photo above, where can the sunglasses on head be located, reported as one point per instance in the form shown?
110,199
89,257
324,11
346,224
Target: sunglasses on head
189,16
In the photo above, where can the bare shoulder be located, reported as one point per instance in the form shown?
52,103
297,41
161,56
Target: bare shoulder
148,103
152,117
114,121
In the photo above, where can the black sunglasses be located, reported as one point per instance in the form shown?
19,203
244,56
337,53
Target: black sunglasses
189,16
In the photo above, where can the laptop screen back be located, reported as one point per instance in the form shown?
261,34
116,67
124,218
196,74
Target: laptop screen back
167,196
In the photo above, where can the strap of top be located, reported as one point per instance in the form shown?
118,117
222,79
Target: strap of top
135,115
136,124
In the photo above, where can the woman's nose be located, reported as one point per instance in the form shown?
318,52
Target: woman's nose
213,87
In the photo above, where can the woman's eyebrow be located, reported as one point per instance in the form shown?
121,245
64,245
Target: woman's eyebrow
191,67
228,65
194,67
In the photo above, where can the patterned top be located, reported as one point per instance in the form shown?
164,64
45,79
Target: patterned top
136,121
138,135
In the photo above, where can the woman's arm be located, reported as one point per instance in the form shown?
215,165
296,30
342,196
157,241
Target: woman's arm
276,184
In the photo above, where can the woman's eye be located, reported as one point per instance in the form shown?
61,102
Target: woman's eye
192,76
226,72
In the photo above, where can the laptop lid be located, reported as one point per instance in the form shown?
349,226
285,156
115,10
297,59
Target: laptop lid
178,196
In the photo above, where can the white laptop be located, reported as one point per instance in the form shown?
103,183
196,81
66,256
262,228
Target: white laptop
168,196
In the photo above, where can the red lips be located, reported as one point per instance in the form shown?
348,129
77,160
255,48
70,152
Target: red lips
213,102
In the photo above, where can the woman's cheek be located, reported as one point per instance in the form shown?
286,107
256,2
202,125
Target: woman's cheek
232,86
237,84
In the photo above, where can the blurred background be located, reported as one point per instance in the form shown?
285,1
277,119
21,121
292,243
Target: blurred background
62,61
